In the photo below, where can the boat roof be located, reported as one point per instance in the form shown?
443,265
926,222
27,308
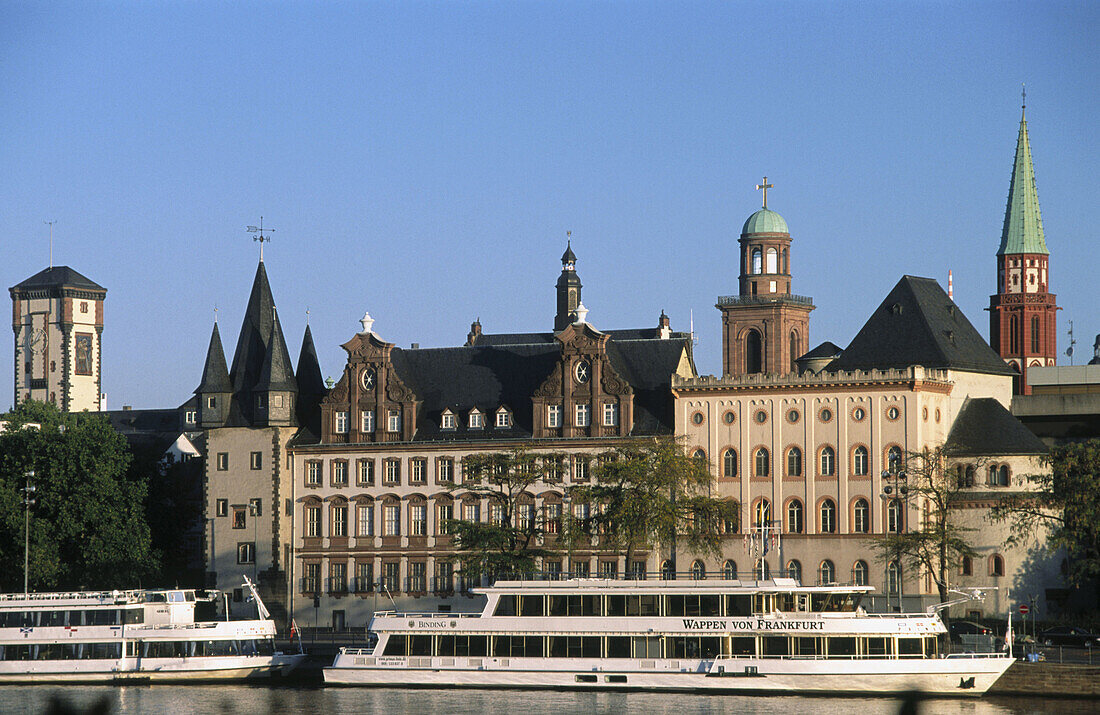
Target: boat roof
601,585
85,598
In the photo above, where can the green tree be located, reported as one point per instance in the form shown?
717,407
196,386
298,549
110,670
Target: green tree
88,527
649,493
1064,500
935,542
507,542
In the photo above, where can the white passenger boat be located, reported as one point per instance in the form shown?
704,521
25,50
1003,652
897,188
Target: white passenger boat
747,636
142,635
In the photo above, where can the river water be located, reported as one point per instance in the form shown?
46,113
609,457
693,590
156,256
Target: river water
244,699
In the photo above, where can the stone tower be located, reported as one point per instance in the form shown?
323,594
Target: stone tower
57,317
569,290
765,328
1022,314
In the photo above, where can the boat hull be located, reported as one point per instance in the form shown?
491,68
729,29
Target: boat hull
941,676
150,670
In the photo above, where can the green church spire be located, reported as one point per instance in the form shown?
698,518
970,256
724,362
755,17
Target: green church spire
1023,229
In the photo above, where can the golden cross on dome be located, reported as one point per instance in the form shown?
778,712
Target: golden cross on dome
765,186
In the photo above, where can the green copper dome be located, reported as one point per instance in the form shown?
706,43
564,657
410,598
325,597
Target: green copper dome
765,221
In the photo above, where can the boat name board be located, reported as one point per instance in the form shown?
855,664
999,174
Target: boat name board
751,624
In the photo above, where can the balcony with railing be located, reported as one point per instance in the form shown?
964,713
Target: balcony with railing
724,300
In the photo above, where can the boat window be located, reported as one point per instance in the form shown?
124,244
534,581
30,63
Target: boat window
809,647
842,647
709,605
76,618
135,615
583,605
739,605
618,646
647,647
506,606
692,605
175,596
743,645
52,618
557,606
911,647
462,645
785,602
574,646
675,605
189,596
532,605
691,646
775,645
395,645
420,645
157,597
616,605
517,647
763,603
645,604
845,602
102,617
877,646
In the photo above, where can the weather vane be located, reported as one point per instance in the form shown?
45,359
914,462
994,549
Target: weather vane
765,186
259,231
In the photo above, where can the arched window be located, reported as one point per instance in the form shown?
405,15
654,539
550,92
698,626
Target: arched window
968,480
1035,334
893,459
859,573
754,352
729,570
786,261
828,462
991,475
794,570
763,512
761,461
861,516
761,570
699,456
698,570
826,573
757,260
860,465
996,565
794,462
966,566
668,573
893,577
796,348
894,520
772,261
828,517
1015,378
729,464
794,517
1002,476
1014,334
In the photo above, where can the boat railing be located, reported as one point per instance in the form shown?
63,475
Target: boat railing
346,650
105,597
425,614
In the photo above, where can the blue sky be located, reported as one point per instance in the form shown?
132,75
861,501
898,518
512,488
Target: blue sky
423,161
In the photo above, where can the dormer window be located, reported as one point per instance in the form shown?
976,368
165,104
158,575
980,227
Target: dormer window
393,421
367,420
504,418
448,420
475,420
340,422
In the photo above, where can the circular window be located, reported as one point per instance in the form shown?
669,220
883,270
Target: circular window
728,418
858,414
826,414
937,414
793,416
368,378
924,414
697,418
893,413
582,371
761,416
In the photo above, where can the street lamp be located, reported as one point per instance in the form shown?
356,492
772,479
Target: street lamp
895,491
28,501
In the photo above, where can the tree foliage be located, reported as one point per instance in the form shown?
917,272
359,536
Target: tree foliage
935,542
87,526
1065,500
649,493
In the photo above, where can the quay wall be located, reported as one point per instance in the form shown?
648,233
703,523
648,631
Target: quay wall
1049,680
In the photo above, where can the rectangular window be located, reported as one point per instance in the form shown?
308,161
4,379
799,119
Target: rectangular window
312,581
256,507
393,472
364,472
365,520
240,517
504,419
444,577
610,414
448,421
222,507
391,520
418,520
553,518
496,514
256,460
584,416
338,520
391,572
246,552
338,578
211,402
191,417
339,473
418,470
313,473
471,512
580,469
393,421
418,577
525,517
553,416
364,577
446,470
313,521
475,420
276,400
223,461
367,421
340,422
446,514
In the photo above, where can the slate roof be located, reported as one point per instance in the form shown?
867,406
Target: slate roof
58,277
917,324
487,339
1023,227
215,375
985,427
311,386
824,350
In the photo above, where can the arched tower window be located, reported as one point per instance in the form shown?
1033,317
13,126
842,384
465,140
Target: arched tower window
754,352
773,261
795,345
1014,334
729,464
757,260
794,517
786,264
1036,333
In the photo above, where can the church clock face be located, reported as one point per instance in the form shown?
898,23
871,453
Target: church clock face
368,378
582,371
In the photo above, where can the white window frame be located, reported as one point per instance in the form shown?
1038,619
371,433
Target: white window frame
474,420
418,470
313,472
393,421
471,511
553,415
418,519
340,422
391,520
313,520
583,415
610,414
504,418
366,420
447,421
364,520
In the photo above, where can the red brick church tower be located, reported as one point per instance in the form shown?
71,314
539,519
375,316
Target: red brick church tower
1022,315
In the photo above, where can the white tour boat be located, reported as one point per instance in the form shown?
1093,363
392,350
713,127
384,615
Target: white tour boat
141,635
770,635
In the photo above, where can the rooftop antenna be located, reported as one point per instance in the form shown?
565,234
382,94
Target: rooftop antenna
691,327
1023,99
950,285
1072,342
259,230
51,223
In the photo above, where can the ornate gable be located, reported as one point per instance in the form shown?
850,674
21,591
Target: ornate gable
584,396
375,403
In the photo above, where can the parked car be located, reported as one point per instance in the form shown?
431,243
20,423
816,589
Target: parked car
968,628
1069,635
